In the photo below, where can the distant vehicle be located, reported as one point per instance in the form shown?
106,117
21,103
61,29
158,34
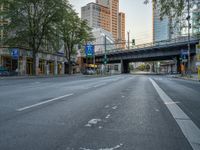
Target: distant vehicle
89,72
4,71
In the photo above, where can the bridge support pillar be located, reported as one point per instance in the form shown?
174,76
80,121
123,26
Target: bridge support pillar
124,66
178,64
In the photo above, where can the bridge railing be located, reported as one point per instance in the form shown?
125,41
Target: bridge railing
155,44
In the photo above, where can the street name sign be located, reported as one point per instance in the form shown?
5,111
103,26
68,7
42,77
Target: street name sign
184,54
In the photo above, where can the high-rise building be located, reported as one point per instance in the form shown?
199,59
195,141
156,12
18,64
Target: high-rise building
160,27
114,15
105,14
166,28
97,16
196,22
121,30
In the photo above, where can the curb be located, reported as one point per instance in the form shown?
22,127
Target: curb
186,78
35,77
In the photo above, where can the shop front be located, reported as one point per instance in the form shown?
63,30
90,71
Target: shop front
29,66
50,67
60,68
42,67
46,64
12,65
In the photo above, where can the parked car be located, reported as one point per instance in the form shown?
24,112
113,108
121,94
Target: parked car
4,71
89,72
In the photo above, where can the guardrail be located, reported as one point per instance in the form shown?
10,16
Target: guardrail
181,39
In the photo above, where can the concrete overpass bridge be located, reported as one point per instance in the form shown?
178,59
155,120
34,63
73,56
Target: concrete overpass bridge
163,50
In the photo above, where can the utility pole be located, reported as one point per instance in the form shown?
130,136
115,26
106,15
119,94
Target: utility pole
189,26
105,54
128,40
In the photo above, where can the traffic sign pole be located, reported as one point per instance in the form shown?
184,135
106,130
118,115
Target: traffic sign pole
199,73
198,59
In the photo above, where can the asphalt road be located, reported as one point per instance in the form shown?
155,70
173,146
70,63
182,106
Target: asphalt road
124,112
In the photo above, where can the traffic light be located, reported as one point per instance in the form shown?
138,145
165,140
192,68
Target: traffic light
105,59
133,41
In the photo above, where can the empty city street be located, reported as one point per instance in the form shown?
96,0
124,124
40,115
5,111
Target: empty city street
121,112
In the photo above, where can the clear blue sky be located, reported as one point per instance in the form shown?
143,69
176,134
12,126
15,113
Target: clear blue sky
138,17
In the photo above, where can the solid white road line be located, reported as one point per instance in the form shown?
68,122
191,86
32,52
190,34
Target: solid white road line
44,102
188,127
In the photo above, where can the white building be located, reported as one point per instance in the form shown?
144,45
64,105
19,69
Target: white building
99,35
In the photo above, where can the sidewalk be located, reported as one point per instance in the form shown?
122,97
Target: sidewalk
194,77
51,76
38,76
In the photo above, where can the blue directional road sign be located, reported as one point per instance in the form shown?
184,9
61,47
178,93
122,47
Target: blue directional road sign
89,50
184,54
15,53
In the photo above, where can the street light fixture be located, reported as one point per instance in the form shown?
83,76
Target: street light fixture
189,27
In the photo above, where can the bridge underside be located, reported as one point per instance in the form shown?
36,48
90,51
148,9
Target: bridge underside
155,53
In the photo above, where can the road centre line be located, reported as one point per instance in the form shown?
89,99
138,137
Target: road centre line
44,102
187,126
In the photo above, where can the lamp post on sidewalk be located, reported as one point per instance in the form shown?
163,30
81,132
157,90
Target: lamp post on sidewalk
105,54
189,27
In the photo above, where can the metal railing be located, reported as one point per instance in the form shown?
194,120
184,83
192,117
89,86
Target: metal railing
181,39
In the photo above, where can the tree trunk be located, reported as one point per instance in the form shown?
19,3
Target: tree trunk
69,64
34,63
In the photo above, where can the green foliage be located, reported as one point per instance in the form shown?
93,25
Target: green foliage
72,31
172,8
176,11
141,67
31,22
44,25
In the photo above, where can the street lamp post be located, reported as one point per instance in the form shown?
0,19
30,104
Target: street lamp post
105,54
189,27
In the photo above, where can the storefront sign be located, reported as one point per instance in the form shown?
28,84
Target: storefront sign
15,53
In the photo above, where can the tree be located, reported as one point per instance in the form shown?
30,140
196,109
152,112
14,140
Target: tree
31,24
72,31
175,9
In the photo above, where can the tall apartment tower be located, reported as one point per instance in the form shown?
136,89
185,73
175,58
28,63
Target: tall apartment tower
195,20
160,27
114,15
98,16
105,14
167,28
121,30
